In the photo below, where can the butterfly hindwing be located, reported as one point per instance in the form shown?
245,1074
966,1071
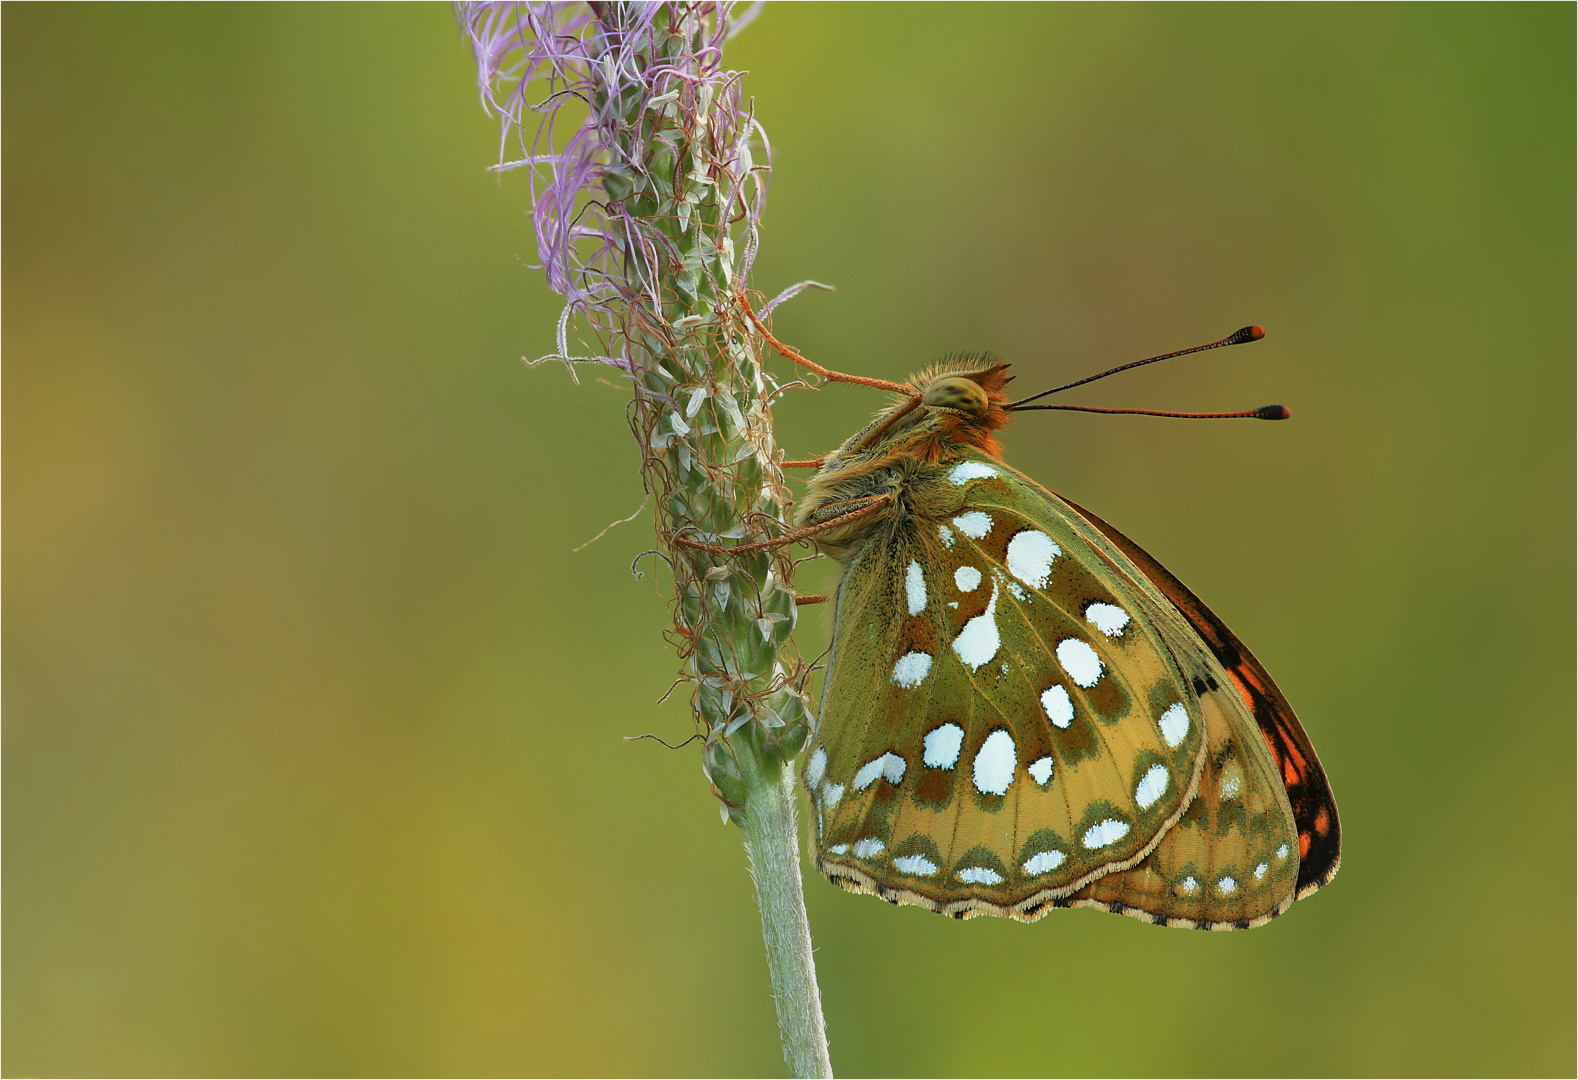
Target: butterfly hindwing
1003,718
1232,860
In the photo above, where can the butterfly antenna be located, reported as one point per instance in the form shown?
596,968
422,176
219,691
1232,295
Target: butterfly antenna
1265,412
1239,337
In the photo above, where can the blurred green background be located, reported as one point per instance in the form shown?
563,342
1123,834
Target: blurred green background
312,719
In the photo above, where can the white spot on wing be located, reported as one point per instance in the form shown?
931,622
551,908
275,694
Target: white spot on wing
1260,870
967,578
1107,831
911,669
1230,785
994,764
1041,770
1226,885
978,641
1151,786
1080,661
947,536
889,765
1030,556
1175,723
978,875
1040,864
816,768
919,865
915,588
865,849
975,524
1059,709
966,471
1188,885
839,849
1282,852
941,746
831,793
1108,618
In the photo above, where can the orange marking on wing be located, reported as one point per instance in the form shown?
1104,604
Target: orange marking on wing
1290,775
1304,845
1244,675
1322,821
1295,757
1243,692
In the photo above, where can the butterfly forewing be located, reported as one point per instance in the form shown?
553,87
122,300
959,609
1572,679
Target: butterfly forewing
1022,726
1313,807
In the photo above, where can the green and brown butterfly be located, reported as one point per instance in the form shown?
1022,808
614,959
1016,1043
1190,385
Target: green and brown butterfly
1021,709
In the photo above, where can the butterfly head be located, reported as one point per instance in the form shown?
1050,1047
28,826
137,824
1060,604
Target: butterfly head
957,403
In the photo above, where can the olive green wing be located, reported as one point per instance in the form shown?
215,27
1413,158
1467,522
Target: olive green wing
1008,712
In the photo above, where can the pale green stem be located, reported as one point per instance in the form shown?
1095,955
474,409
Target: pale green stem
772,839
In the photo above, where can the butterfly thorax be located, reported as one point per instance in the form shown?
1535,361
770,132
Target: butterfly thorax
904,454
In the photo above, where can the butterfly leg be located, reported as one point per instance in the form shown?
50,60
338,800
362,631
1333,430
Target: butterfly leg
837,512
862,508
832,376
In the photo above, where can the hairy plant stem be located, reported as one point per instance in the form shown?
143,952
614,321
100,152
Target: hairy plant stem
735,608
647,224
772,839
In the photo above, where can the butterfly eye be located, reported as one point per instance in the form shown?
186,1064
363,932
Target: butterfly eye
965,395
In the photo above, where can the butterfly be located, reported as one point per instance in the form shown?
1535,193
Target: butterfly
1023,710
